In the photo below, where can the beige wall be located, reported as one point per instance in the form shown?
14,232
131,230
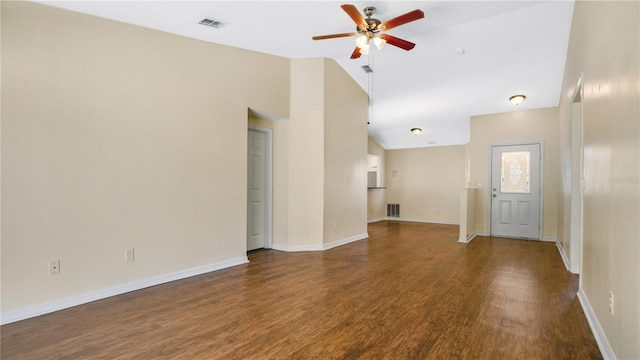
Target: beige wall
280,234
376,206
428,182
604,46
467,214
115,138
267,91
306,153
345,155
320,159
510,128
1,100
252,121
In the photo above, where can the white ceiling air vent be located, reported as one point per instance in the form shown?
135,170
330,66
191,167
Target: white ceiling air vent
212,22
367,69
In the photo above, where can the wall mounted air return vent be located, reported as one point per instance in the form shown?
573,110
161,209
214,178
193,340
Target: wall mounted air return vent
393,210
212,23
367,69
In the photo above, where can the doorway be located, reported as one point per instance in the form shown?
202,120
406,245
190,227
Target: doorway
516,191
259,195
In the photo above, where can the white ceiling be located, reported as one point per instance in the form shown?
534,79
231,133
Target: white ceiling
510,47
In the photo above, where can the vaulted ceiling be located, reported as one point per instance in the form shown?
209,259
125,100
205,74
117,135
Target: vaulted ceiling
470,56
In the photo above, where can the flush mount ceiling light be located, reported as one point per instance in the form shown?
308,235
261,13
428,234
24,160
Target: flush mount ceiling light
517,99
416,131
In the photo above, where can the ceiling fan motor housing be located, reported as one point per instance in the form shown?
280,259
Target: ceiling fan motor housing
373,24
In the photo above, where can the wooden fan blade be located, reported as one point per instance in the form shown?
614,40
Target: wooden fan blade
355,15
402,19
356,53
322,37
402,44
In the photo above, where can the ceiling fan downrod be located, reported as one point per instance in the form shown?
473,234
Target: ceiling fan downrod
372,24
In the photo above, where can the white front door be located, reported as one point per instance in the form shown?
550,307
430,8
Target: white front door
515,191
256,190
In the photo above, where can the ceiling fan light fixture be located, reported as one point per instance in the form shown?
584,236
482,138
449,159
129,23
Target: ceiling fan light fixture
517,99
416,131
379,42
364,50
362,41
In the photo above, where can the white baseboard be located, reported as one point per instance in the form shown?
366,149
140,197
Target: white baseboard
327,246
375,220
549,239
49,307
596,329
351,239
467,239
294,248
565,259
422,221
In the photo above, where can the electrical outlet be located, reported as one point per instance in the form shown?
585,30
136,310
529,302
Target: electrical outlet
611,302
130,255
54,267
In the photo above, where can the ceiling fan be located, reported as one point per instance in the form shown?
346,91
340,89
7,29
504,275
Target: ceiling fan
371,29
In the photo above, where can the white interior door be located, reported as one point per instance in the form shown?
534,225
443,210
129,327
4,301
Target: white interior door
516,191
256,190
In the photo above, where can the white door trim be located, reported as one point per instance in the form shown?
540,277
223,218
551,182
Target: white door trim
576,223
269,180
541,174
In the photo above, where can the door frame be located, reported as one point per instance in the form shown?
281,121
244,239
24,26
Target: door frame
577,223
268,240
541,175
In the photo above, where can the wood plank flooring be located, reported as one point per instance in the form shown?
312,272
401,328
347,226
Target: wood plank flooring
410,291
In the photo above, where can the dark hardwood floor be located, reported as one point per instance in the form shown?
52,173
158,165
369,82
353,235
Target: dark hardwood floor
410,291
